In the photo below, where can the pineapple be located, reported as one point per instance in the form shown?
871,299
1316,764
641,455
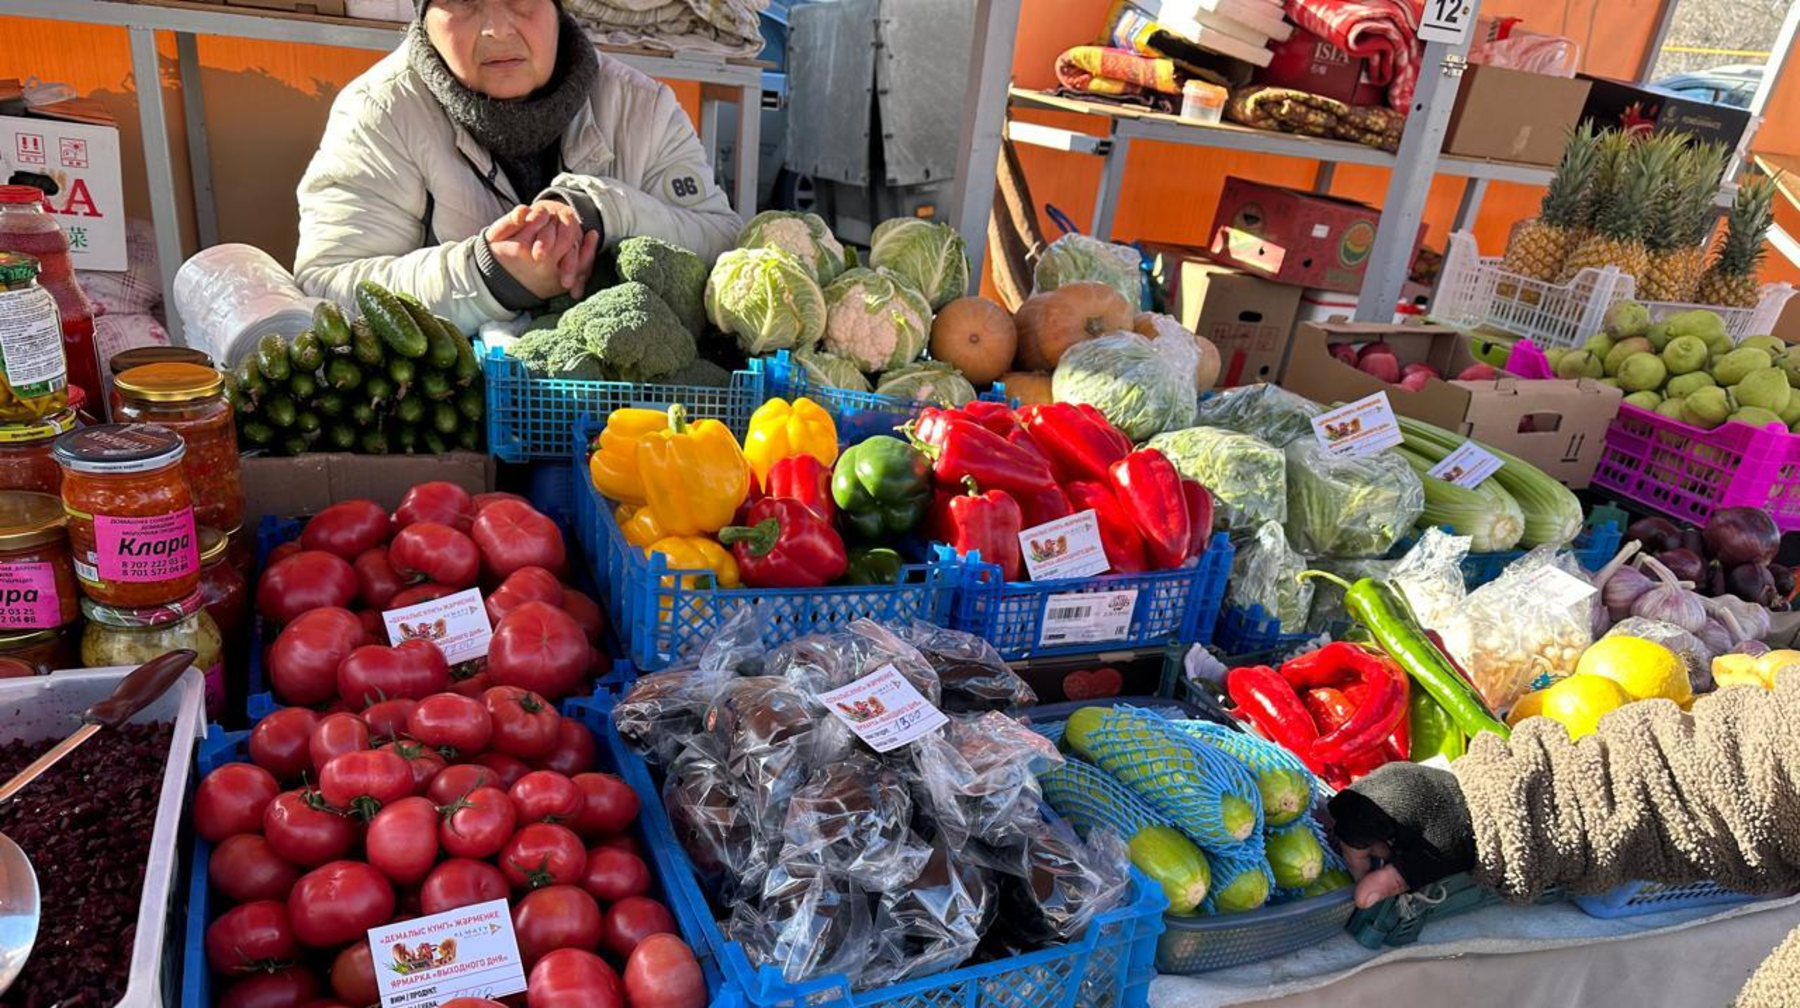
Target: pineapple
1731,280
1625,199
1537,247
1678,232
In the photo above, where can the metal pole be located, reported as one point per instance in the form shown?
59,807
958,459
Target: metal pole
1323,177
984,114
146,68
1112,182
1474,189
749,147
193,116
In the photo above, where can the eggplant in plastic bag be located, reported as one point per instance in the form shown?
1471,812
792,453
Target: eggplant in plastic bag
853,818
807,923
711,822
979,778
661,709
936,923
821,662
974,676
1056,884
771,740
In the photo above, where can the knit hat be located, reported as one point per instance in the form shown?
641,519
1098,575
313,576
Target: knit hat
420,5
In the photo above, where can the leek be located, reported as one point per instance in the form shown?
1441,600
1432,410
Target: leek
1487,514
1551,511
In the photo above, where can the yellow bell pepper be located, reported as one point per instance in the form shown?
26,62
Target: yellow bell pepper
697,553
639,524
694,474
780,430
614,464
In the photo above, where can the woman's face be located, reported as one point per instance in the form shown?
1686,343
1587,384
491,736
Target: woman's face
501,48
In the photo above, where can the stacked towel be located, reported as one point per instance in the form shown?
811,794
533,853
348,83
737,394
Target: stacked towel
710,27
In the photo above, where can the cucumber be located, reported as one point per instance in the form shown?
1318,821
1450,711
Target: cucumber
258,433
388,318
406,438
303,386
403,371
444,418
469,403
250,380
293,444
469,437
306,353
467,368
378,387
272,358
435,385
328,322
330,403
410,410
240,400
365,346
280,410
373,442
341,373
434,443
441,343
307,422
362,414
340,437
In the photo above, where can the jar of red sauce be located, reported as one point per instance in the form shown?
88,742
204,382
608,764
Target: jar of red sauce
190,400
37,581
224,591
25,459
131,517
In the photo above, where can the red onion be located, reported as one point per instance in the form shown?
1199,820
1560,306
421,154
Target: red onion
1741,535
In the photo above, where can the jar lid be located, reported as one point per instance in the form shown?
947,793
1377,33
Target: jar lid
17,267
168,382
112,449
21,194
143,617
30,519
15,641
43,428
135,357
213,544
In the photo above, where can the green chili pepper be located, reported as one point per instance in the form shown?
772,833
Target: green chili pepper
1433,733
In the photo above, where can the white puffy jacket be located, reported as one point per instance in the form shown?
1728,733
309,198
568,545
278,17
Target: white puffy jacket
391,158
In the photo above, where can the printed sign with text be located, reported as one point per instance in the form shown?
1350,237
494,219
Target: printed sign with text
1064,548
457,624
466,952
1468,466
1088,617
884,709
1363,427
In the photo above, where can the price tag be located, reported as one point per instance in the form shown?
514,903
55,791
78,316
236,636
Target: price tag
884,709
1087,617
1064,548
466,952
1363,427
1446,21
1468,466
1558,586
457,624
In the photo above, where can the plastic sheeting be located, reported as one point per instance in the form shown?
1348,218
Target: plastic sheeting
230,296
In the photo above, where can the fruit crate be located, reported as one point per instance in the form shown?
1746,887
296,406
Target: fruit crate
664,614
1688,472
1634,899
859,415
1109,966
1171,606
1474,292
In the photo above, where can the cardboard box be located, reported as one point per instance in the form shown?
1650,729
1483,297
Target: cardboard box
1558,426
72,148
294,485
1510,115
1250,320
1307,62
1641,109
1295,236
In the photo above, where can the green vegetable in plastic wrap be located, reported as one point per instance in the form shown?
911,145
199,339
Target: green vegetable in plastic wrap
1270,412
1349,506
1247,477
1142,387
1266,572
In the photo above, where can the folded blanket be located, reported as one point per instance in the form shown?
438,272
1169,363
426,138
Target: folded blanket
1130,27
1384,32
1106,71
714,27
1288,110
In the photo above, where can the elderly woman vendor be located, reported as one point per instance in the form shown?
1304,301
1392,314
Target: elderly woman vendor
482,166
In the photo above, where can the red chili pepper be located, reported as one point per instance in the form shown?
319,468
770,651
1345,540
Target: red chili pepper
1376,716
971,450
805,479
1077,440
785,545
1045,505
990,523
1200,515
1149,487
1119,535
1275,709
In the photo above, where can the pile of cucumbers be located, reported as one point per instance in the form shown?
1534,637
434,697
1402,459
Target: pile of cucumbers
397,380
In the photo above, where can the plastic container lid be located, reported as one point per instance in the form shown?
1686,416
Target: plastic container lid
169,382
30,519
126,360
42,429
17,268
113,449
144,617
21,194
213,544
1203,93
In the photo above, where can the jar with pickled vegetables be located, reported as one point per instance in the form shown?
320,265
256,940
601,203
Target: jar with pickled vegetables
225,591
34,375
25,459
131,518
44,650
121,635
190,400
37,580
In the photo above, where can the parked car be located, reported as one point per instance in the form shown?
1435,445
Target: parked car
1733,85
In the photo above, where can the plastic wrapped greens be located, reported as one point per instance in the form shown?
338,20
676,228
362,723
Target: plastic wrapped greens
973,675
1349,506
1246,475
1266,572
1143,387
1270,412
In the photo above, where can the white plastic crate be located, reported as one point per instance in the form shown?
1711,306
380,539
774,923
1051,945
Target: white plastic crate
1474,291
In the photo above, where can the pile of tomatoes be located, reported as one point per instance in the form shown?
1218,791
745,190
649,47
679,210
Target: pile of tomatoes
420,806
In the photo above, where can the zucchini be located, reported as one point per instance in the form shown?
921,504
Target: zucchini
303,386
272,358
1552,513
1203,791
389,319
365,346
280,410
444,418
1487,514
258,433
342,373
329,324
306,353
1090,798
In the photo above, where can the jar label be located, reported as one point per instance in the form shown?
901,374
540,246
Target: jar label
158,548
215,690
28,599
31,347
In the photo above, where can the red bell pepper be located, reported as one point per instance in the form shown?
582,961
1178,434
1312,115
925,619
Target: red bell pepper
785,545
1329,707
997,417
969,450
988,522
1076,439
1271,704
1379,711
1046,505
1200,515
1149,487
1119,535
805,479
1398,745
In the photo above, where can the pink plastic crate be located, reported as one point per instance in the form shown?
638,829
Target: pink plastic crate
1688,473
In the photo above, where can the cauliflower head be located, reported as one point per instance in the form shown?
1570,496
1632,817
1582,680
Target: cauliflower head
876,319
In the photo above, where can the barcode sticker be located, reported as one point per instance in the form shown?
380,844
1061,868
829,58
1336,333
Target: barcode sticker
1087,618
1468,466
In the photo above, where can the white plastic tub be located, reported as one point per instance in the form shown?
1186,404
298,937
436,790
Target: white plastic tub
47,708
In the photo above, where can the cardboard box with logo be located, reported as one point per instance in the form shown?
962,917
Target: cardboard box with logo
71,151
1250,320
1306,62
297,485
1511,115
1295,236
1639,109
1558,426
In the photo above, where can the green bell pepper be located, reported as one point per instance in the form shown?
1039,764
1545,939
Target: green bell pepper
873,565
882,487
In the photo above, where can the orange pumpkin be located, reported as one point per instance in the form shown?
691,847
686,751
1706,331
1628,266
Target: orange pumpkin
1051,322
977,336
1028,387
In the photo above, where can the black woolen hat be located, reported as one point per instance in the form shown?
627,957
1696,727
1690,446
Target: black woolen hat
420,5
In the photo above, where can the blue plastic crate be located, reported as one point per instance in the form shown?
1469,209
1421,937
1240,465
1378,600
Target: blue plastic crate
1176,606
667,614
859,415
1109,966
551,489
1635,899
1593,548
1245,631
530,418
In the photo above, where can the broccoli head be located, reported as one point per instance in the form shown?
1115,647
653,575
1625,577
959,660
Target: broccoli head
701,372
631,332
552,353
675,274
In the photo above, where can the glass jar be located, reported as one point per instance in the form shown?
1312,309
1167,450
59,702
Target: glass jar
37,581
34,379
26,226
190,400
225,592
241,554
44,650
118,635
26,462
125,360
131,517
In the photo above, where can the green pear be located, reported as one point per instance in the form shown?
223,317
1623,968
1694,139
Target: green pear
1670,408
1579,364
1623,349
1698,322
1765,389
1791,415
1684,385
1756,416
1706,408
1684,354
1773,344
1789,363
1658,335
1626,318
1555,355
1644,372
1644,400
1734,366
1610,382
1599,345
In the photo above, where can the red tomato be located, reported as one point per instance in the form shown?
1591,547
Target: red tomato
472,1002
436,553
623,842
540,648
308,580
353,975
527,584
573,978
634,919
459,779
347,528
461,882
374,630
424,763
470,685
663,973
512,535
545,796
278,742
437,501
306,831
608,805
418,593
250,937
324,1003
542,854
477,825
455,724
387,718
365,782
612,875
335,735
402,842
556,917
245,867
507,770
586,612
575,749
376,580
524,722
281,552
231,800
413,670
304,660
335,904
482,500
285,988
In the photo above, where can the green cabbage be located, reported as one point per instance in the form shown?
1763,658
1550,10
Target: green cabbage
1075,257
933,257
1349,506
1247,476
927,381
767,299
1140,386
804,235
876,319
831,371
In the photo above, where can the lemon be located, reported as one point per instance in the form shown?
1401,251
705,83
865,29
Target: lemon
1579,700
1644,669
1529,705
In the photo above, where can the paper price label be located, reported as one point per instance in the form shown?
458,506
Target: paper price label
466,952
1446,21
884,709
457,624
1363,427
1468,466
1064,548
1558,586
1087,617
